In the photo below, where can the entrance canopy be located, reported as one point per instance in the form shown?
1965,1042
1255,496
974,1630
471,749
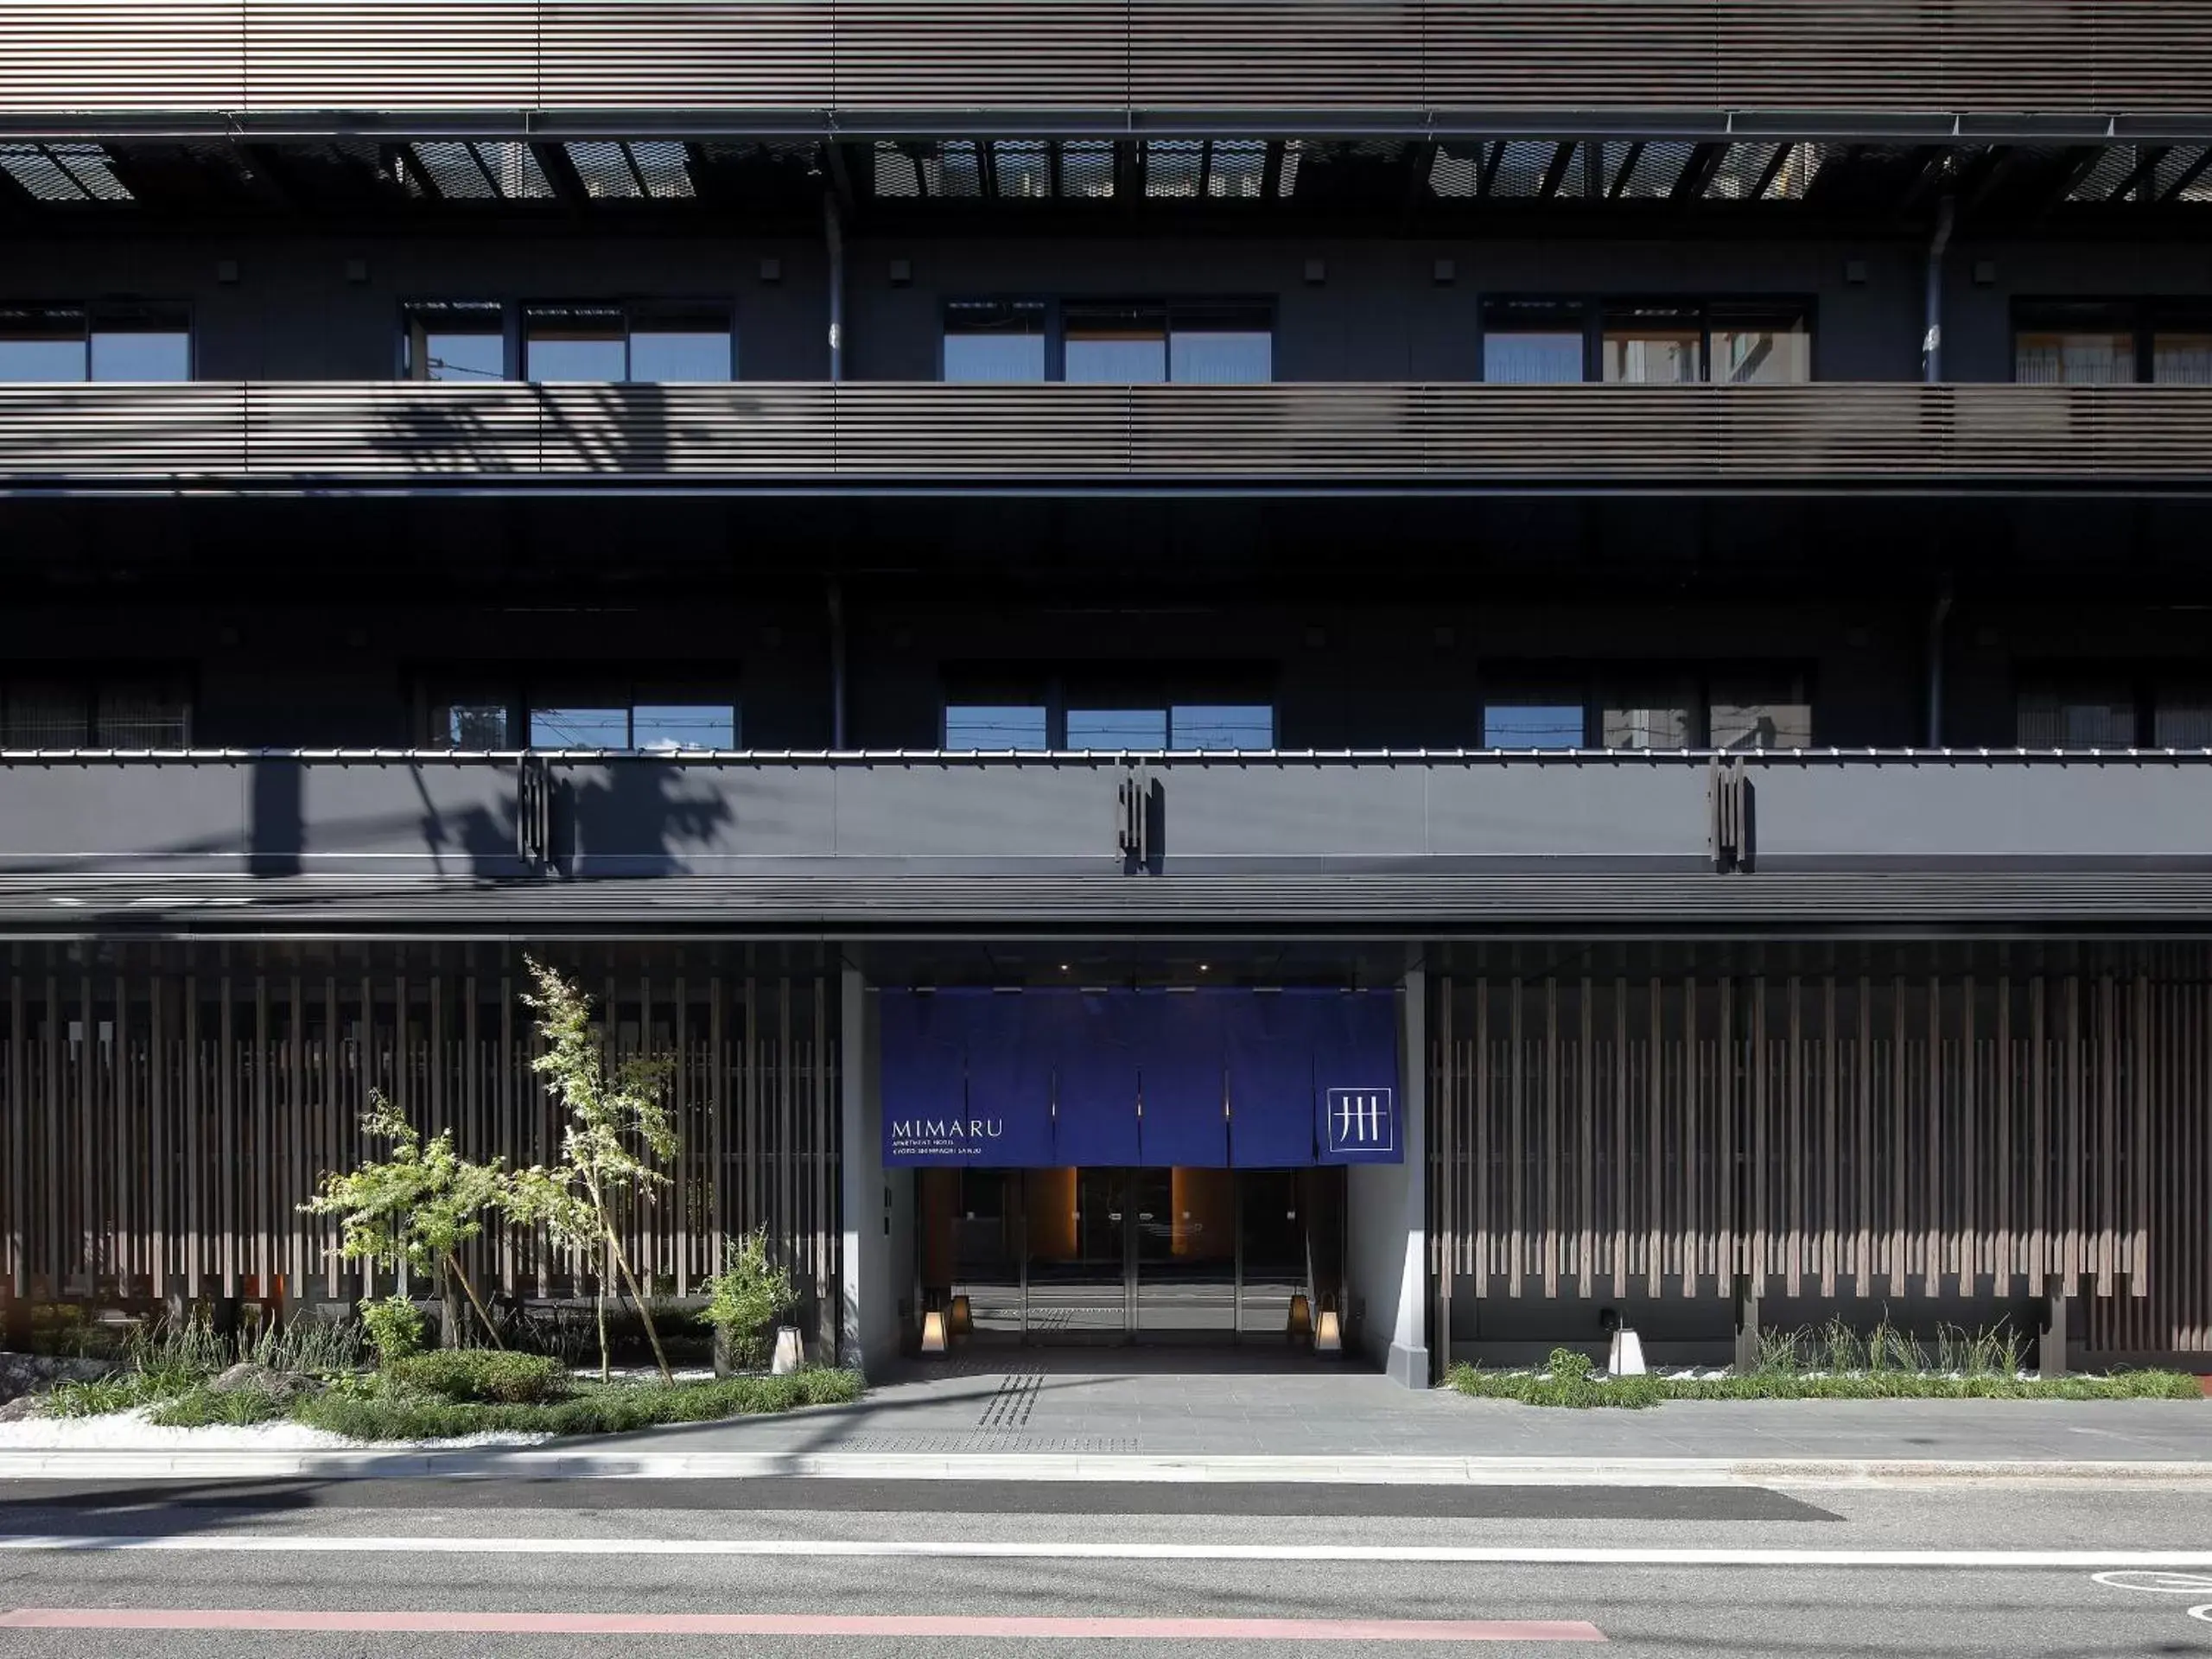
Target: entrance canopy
1201,1078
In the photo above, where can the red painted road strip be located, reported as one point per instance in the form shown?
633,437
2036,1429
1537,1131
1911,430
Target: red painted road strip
896,1625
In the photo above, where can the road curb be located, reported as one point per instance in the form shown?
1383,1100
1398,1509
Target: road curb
535,1463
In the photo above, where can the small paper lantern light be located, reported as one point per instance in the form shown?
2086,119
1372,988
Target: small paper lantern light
933,1332
1328,1336
1301,1317
962,1322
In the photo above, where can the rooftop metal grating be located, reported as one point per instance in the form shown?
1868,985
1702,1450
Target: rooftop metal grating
72,172
658,170
480,172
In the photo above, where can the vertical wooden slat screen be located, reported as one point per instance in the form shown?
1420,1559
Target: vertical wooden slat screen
160,1129
1840,1135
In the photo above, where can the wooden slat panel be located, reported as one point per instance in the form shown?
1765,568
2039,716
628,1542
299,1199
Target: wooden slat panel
1946,1144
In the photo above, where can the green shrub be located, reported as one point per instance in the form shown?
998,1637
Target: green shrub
490,1377
201,1408
744,1299
379,1409
395,1328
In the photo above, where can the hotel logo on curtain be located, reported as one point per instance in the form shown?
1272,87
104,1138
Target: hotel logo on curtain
950,1138
1362,1125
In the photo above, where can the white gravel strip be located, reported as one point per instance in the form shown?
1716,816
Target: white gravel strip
132,1431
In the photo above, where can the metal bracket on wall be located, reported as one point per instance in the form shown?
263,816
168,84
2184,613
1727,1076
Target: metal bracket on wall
534,811
1137,809
1728,814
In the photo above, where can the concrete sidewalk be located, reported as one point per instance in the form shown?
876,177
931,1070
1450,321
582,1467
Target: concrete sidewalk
1126,1414
1129,1403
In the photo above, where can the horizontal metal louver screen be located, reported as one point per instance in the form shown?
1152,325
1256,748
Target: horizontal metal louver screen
1107,56
1861,431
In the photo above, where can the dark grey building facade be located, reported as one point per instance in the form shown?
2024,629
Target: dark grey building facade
1668,540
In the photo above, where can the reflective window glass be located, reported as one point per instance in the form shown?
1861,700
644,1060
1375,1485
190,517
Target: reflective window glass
460,341
579,728
574,342
43,343
2184,719
1532,358
1117,728
1754,350
970,726
671,348
995,342
471,722
43,714
671,726
1535,724
1652,348
2077,717
1741,717
1217,726
2083,358
1221,344
150,345
2182,358
140,715
1639,722
1116,345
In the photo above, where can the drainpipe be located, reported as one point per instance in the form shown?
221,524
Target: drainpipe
837,665
833,233
1937,614
1931,342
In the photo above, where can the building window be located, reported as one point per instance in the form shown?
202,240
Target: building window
1110,343
2081,714
1533,342
1722,709
1675,342
610,343
970,727
1652,346
995,342
1533,722
1116,344
454,340
1752,347
1757,714
1110,711
105,342
644,719
76,711
2112,342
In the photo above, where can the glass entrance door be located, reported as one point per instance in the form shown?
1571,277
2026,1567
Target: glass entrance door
1080,1224
1185,1273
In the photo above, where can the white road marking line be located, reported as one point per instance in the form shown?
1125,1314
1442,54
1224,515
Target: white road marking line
981,1549
2161,1584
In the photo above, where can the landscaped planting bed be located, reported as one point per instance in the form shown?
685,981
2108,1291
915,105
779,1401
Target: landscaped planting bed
1834,1364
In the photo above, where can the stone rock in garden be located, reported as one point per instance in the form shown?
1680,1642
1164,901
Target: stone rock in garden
17,1410
21,1375
246,1377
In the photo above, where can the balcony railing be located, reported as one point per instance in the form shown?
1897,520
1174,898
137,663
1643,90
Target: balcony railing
387,435
722,64
1381,842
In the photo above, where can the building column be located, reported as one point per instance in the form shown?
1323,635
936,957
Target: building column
868,1322
1387,1257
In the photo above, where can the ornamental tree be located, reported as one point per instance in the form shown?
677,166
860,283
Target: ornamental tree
416,1208
617,1127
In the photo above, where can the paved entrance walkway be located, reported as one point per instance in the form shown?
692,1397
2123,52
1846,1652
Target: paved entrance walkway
1247,1402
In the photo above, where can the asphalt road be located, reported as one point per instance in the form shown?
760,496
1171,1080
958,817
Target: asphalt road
544,1568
